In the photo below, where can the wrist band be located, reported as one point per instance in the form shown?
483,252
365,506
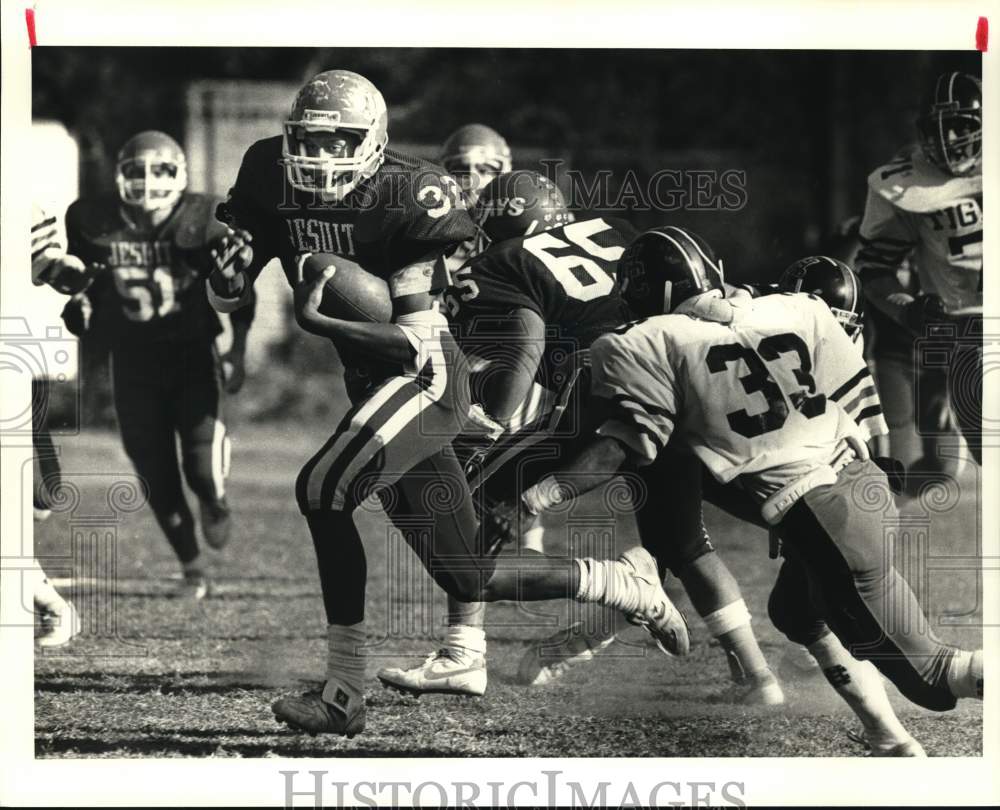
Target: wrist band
543,495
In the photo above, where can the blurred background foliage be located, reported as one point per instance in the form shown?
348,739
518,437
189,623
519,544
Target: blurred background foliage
806,126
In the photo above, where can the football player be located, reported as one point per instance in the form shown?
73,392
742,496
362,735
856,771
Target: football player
330,185
741,380
927,203
889,348
543,291
146,247
473,154
66,274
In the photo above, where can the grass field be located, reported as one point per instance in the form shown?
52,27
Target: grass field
153,677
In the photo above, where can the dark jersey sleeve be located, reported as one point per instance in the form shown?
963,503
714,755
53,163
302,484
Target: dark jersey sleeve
412,214
251,204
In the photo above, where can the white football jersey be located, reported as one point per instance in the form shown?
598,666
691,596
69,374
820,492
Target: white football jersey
915,207
772,392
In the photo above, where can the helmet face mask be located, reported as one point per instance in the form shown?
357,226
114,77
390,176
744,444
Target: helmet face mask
951,131
474,155
335,135
664,267
151,172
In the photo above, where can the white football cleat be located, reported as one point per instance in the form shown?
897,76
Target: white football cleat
548,660
657,614
446,672
59,626
193,588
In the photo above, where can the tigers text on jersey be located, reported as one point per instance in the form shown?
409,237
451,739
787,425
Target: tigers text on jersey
774,389
914,206
153,288
565,275
408,211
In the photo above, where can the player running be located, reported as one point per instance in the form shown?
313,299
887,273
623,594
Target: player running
530,306
147,250
741,380
928,203
330,185
66,274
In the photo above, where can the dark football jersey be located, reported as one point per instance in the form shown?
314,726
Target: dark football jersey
566,275
408,211
154,285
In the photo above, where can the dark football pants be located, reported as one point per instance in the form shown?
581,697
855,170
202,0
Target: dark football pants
163,391
847,553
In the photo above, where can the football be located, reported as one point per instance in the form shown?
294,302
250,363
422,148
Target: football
352,294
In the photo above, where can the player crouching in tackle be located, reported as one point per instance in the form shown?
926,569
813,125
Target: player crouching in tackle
330,185
542,290
741,381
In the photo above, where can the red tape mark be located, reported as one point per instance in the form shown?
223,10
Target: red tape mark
29,18
982,34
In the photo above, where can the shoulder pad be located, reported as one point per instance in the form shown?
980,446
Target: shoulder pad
912,184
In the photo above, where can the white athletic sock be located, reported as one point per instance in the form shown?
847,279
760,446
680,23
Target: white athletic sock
345,659
608,583
965,674
860,685
532,539
465,639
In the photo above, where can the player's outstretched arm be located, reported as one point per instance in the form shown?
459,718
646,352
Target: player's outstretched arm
384,341
597,463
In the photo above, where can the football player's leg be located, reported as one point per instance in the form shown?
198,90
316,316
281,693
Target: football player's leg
668,498
205,445
795,612
45,467
400,424
145,419
894,377
865,600
965,392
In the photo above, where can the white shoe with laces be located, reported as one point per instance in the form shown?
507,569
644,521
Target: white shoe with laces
656,613
548,660
449,671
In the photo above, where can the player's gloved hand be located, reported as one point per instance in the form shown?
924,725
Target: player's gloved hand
233,371
231,254
505,523
70,276
76,314
922,312
473,447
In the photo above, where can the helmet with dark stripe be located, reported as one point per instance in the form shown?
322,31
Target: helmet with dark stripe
664,267
835,283
951,128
